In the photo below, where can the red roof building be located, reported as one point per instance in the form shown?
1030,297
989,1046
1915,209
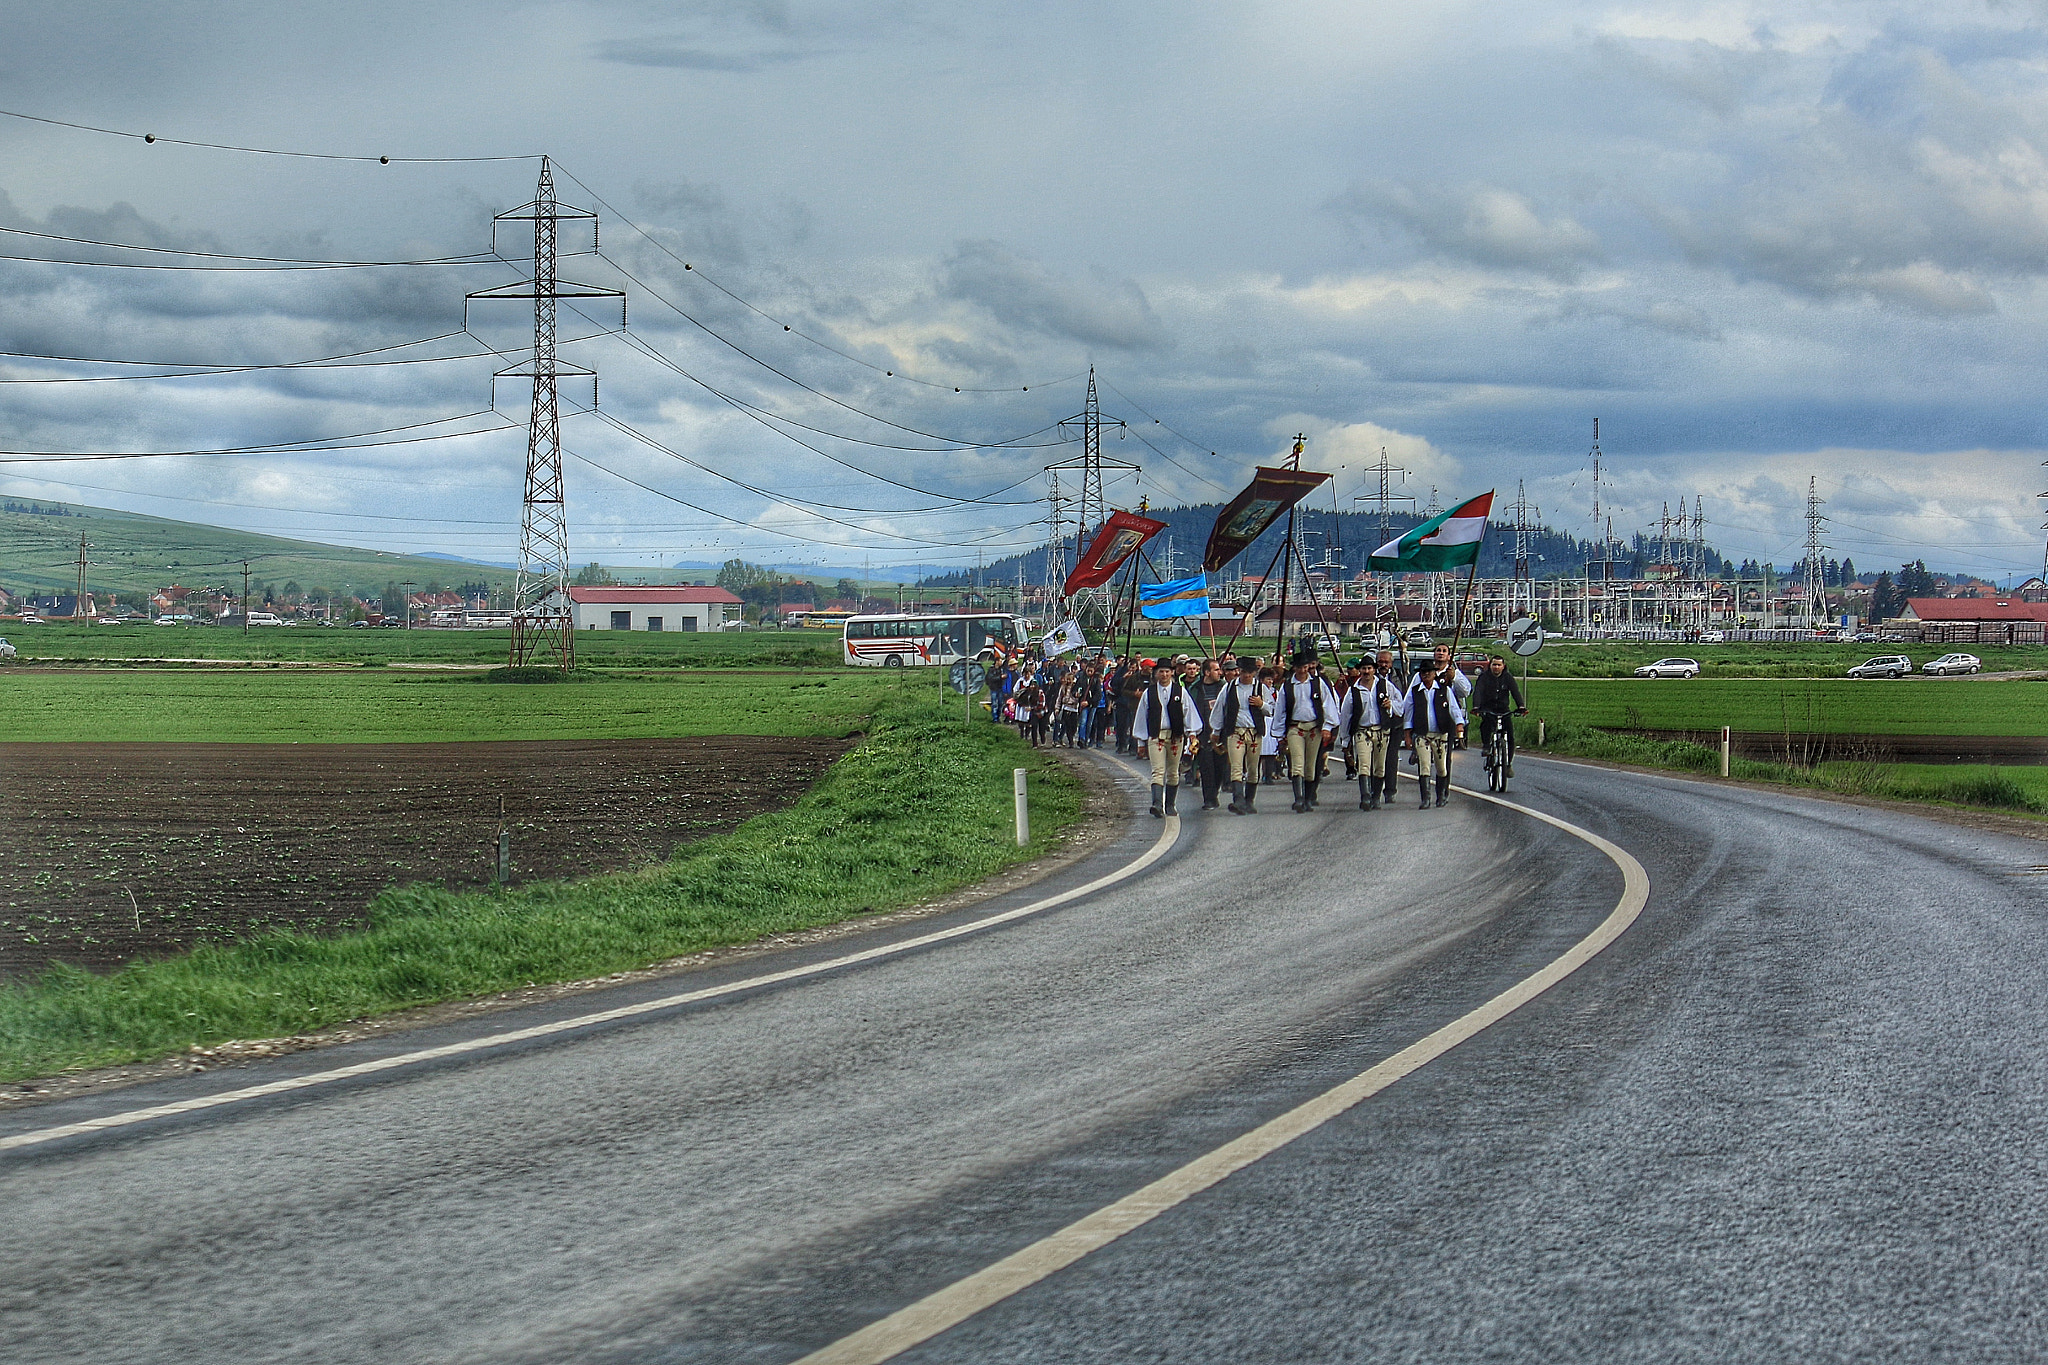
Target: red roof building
1976,620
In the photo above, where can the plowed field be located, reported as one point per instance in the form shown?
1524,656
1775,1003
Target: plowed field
114,851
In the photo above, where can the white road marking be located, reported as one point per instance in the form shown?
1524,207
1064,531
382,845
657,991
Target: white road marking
925,1319
496,1040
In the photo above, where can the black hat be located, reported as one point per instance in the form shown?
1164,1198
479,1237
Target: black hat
1248,664
1304,656
1425,665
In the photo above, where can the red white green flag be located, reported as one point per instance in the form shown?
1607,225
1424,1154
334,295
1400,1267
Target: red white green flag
1449,540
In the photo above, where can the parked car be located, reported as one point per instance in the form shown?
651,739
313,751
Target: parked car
1670,668
1883,666
1953,663
1713,637
1866,637
7,652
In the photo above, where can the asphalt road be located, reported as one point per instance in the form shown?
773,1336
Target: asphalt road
1797,1111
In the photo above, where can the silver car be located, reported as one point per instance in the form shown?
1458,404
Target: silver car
7,652
1670,668
1953,663
1883,666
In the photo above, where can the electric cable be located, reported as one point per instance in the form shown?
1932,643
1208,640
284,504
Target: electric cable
663,247
467,258
262,151
309,445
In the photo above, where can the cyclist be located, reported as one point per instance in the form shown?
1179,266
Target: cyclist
1497,698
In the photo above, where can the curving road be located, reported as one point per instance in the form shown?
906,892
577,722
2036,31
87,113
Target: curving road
1796,1111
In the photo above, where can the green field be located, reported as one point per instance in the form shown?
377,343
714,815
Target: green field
65,642
1934,706
922,806
387,706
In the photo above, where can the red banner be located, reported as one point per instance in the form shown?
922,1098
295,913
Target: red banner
1271,492
1117,541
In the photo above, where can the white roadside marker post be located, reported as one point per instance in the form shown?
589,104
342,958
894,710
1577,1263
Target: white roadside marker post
1017,776
1725,744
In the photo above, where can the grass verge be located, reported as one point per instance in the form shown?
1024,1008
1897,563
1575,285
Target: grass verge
2017,790
921,807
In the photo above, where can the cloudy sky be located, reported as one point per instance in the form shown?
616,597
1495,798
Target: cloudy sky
1761,242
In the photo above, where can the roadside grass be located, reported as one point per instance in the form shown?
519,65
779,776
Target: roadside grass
385,706
57,642
2015,789
921,807
1937,706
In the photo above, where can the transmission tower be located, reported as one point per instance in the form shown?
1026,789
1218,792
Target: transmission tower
78,602
1091,508
1816,604
1524,529
543,627
1385,499
1055,542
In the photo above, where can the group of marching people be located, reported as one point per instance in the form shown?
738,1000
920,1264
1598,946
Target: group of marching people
1296,719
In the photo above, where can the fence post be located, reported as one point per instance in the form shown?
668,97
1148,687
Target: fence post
1017,776
1539,733
1725,745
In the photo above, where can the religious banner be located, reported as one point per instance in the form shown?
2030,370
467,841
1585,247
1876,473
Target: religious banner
1271,492
1063,637
1117,541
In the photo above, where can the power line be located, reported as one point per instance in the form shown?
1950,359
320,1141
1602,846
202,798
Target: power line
309,445
886,372
467,258
260,151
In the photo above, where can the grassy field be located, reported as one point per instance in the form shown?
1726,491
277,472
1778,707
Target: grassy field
384,706
1936,706
2017,790
922,806
63,641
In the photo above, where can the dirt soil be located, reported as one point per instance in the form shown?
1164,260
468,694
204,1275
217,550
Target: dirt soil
115,851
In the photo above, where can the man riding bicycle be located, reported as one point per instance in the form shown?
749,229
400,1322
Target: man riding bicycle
1497,698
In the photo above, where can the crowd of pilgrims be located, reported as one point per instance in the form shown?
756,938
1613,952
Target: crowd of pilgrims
1234,722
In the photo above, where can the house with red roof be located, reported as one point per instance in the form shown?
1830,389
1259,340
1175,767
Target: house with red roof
1975,620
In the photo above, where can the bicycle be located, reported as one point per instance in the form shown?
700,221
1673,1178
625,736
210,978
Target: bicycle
1500,749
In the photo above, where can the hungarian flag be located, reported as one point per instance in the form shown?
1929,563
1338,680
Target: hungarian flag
1117,541
1449,540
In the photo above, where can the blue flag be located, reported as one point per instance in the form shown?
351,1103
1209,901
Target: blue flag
1181,597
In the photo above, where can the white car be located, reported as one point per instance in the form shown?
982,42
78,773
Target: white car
1953,663
1670,668
1713,637
7,652
1883,666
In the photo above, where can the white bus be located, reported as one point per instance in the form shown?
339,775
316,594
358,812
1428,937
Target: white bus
907,641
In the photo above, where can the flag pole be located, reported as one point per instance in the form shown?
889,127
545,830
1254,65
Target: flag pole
1459,634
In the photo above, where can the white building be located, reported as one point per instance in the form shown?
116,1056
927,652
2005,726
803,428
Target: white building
659,608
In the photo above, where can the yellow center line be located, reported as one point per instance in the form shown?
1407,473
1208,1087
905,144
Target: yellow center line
929,1316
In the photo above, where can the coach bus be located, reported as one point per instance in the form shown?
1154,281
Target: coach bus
908,641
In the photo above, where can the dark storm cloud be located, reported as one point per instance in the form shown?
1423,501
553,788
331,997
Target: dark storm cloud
1095,309
1484,225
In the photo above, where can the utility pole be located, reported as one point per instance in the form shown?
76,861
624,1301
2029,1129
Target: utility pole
1386,499
543,627
1816,604
407,586
1523,572
245,597
78,602
1055,545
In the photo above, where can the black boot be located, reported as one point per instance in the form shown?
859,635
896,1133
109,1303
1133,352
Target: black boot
1299,804
1309,792
1365,801
1443,789
1236,806
1156,790
1172,790
1251,790
1423,783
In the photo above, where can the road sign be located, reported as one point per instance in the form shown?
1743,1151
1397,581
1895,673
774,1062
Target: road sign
967,678
1525,636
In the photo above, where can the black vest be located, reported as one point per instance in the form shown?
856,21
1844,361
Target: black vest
1176,711
1230,709
1440,709
1315,695
1358,696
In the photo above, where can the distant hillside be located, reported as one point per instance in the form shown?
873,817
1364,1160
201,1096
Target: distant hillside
128,553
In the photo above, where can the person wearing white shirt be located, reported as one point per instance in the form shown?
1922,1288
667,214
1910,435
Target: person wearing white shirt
1238,719
1434,719
1304,718
1166,715
1368,724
